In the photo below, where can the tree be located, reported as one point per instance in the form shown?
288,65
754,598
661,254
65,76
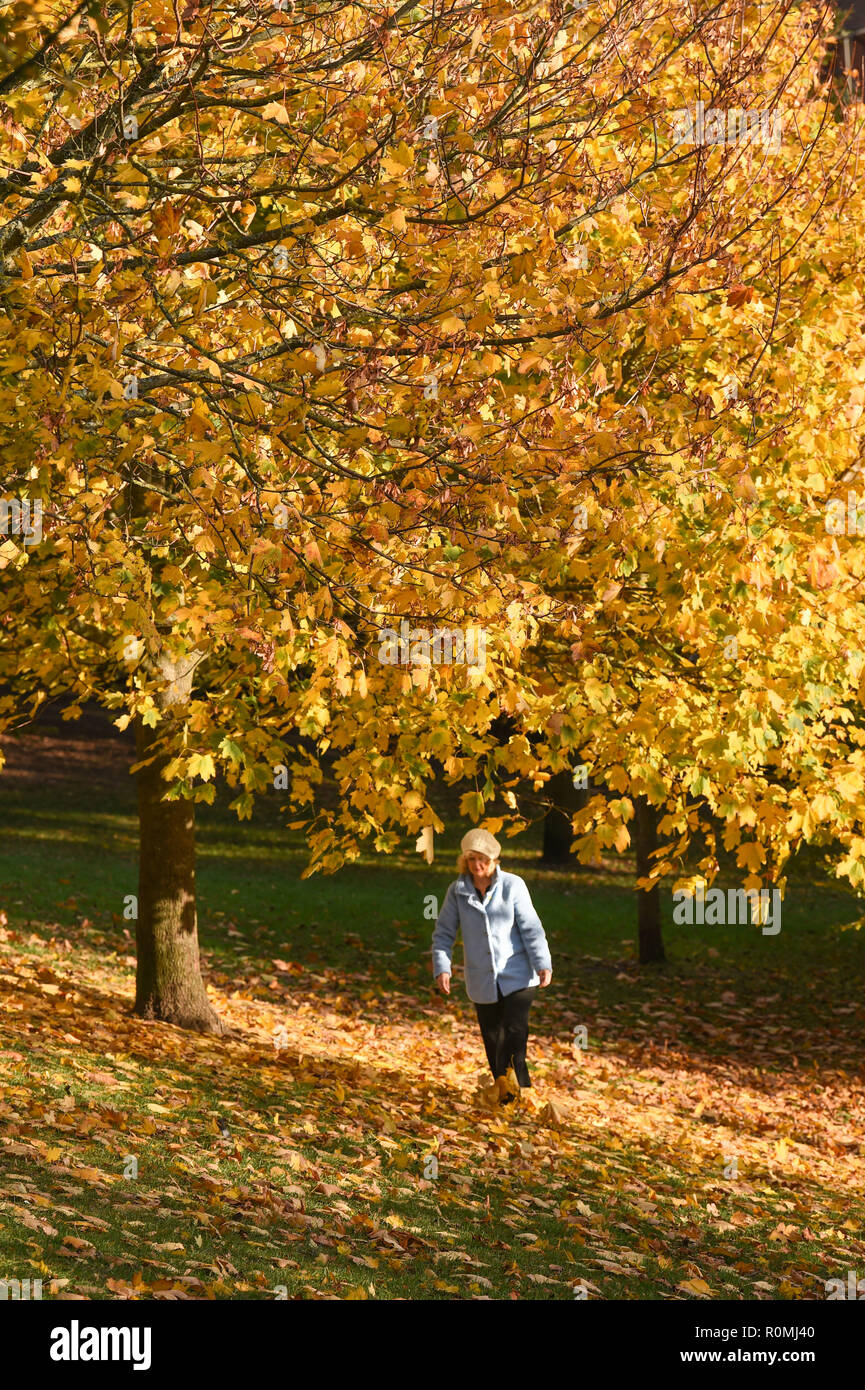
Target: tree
318,321
650,941
712,608
566,798
241,256
169,984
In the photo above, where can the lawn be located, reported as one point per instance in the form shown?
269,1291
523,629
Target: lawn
707,1142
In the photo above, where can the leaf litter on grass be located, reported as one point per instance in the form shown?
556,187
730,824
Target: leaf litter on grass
338,1145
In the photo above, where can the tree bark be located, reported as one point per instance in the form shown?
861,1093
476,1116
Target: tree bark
651,943
169,985
558,832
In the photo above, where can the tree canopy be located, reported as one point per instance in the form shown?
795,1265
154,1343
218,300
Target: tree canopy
538,320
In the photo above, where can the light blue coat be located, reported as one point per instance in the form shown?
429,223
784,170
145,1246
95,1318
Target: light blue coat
503,940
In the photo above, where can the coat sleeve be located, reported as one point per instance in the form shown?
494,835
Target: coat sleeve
445,934
529,923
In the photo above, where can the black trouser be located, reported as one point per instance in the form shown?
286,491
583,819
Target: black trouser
505,1031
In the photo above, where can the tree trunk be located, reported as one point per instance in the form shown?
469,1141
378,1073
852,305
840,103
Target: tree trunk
558,833
646,818
169,985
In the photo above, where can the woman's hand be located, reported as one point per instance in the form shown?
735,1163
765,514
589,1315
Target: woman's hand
545,976
444,983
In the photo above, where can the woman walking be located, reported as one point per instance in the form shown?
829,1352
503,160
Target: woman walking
506,953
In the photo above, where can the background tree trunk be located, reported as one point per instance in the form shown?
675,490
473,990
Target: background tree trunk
558,834
651,943
169,985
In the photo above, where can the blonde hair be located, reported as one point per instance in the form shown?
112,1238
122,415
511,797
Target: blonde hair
462,862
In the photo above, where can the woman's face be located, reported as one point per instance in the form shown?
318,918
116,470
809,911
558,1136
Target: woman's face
480,865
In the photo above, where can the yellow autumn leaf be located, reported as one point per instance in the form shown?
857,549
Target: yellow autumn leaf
398,161
750,855
695,1286
276,111
201,765
623,839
